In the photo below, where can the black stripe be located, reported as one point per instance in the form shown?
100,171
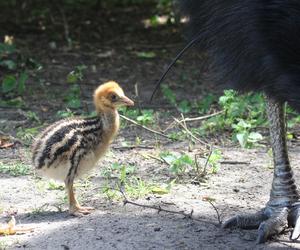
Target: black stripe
72,141
60,135
74,165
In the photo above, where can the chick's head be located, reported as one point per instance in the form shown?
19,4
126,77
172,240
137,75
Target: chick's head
110,96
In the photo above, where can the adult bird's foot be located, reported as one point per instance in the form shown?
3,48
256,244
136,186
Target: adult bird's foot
269,221
80,211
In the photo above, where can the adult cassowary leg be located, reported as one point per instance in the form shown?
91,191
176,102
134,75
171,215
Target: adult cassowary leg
283,208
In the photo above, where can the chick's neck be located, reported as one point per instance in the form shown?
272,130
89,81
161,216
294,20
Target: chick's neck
110,119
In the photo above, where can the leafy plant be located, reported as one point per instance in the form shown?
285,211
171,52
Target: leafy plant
179,163
132,185
243,114
214,160
27,134
11,83
144,117
146,55
183,106
16,169
52,185
244,135
74,78
65,113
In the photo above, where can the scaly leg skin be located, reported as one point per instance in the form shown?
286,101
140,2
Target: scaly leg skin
283,207
74,207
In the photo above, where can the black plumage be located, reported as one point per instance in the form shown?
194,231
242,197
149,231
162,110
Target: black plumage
254,45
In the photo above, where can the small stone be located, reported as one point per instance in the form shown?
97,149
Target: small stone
157,229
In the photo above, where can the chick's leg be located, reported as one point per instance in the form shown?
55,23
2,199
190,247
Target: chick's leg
74,207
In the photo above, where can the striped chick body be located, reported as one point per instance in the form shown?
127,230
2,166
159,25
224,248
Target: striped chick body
70,148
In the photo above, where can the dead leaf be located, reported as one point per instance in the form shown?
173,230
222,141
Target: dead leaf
5,142
11,229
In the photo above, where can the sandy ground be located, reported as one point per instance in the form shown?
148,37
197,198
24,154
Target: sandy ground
236,188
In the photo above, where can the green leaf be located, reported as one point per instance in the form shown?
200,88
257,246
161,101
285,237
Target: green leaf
184,106
9,83
146,54
72,77
255,137
74,103
21,82
159,190
242,138
8,64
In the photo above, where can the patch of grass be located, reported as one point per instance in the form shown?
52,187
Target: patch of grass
53,185
27,134
183,106
144,117
242,116
73,98
182,164
214,160
67,113
16,169
132,185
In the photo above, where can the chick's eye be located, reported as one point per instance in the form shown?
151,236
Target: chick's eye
113,97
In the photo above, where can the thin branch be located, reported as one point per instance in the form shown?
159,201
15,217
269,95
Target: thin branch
156,158
200,118
146,128
190,133
160,209
217,212
132,147
235,162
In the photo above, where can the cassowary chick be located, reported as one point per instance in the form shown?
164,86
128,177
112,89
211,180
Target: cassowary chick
69,148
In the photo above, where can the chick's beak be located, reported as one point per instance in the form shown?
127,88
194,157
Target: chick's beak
127,101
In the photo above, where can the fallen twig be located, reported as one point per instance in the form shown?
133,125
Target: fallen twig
200,118
190,133
209,200
132,147
160,209
146,128
235,162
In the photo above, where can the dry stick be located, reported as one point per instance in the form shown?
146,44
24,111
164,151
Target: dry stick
146,128
191,134
132,147
235,162
217,212
200,118
156,158
66,25
160,209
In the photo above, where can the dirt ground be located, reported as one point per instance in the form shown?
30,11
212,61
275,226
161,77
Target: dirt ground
108,44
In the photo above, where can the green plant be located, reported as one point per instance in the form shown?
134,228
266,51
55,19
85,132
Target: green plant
28,134
146,55
12,83
16,169
144,117
244,135
131,184
74,94
183,106
179,163
52,185
65,113
214,160
205,103
242,115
